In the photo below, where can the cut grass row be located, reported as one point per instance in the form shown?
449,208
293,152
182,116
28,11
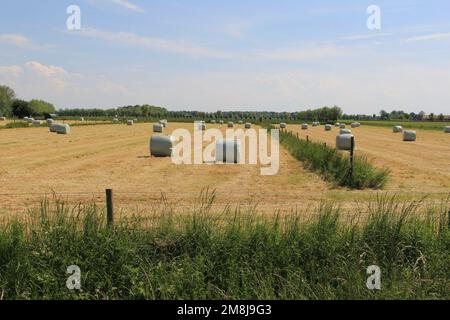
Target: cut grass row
333,165
202,255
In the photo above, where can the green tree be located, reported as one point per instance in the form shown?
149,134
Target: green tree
21,108
40,107
7,96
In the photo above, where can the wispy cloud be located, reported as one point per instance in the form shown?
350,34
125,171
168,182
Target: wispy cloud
152,43
16,39
366,36
128,5
428,37
14,71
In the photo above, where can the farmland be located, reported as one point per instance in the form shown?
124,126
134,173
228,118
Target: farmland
79,166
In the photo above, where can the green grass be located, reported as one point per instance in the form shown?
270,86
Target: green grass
333,165
13,125
419,125
231,255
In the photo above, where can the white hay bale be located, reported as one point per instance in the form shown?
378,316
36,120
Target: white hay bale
344,142
221,122
228,151
158,128
60,128
213,121
305,126
409,135
355,125
345,131
248,125
115,120
283,125
201,126
161,146
130,122
342,126
163,122
240,122
30,120
397,129
316,124
81,119
2,118
25,119
37,123
447,129
337,124
328,127
50,122
230,124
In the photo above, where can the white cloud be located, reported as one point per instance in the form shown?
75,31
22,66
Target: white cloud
152,43
128,5
15,71
428,37
44,70
16,39
366,36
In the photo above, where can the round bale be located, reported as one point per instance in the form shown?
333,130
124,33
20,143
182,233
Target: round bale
60,128
50,122
447,129
130,122
158,128
305,126
316,124
397,129
283,125
337,124
37,123
345,131
163,122
248,125
2,118
213,121
230,124
161,146
241,122
342,126
221,122
409,135
344,142
328,127
228,151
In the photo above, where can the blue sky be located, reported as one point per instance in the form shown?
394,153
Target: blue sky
283,55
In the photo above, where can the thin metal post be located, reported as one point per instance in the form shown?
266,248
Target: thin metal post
352,150
109,207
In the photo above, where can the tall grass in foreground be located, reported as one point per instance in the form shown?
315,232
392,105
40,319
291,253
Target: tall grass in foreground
202,255
334,165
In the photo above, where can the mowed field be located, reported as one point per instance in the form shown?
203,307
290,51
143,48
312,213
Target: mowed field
80,166
420,167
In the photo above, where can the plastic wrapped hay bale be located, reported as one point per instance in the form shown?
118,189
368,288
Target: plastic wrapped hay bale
409,135
158,128
161,146
344,142
228,151
397,129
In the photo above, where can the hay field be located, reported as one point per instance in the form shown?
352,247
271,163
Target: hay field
80,166
421,167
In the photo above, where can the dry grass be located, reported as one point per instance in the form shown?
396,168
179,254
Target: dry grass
80,166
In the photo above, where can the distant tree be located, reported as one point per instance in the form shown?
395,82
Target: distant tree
431,117
441,117
7,96
40,107
421,115
384,115
21,108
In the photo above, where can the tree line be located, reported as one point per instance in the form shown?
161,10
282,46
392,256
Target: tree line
10,106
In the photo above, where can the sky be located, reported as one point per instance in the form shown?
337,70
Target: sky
250,55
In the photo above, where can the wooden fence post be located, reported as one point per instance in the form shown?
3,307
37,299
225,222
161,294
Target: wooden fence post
109,207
